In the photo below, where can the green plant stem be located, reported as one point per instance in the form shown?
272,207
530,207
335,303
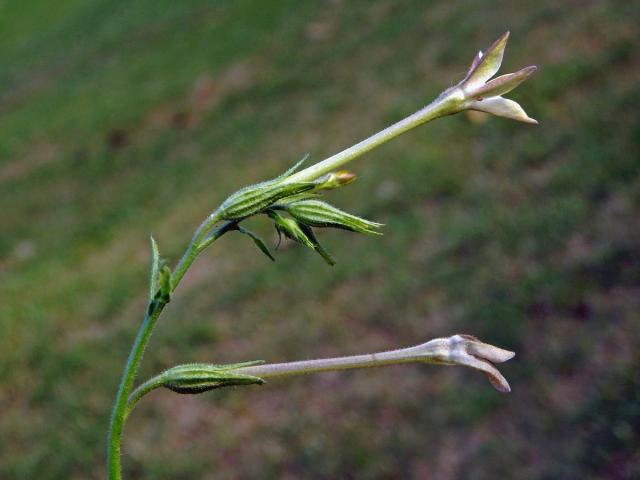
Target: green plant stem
204,236
120,412
126,383
196,246
445,104
141,391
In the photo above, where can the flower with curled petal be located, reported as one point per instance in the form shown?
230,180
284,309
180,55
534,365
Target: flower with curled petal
463,350
468,351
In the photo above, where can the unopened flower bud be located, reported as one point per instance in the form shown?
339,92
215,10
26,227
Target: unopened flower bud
299,232
290,229
334,180
468,351
317,213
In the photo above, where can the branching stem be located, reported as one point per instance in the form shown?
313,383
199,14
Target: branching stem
203,237
155,308
476,91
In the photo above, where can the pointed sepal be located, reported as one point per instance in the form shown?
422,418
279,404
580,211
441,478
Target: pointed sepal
154,271
258,241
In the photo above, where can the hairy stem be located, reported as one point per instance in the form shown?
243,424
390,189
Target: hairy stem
196,246
120,410
126,383
421,353
440,107
141,391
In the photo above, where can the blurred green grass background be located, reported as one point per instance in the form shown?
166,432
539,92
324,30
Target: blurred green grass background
118,119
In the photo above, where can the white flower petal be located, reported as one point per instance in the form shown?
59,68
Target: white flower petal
474,64
502,107
504,83
489,64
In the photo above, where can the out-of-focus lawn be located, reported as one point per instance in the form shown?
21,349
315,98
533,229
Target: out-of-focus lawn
118,119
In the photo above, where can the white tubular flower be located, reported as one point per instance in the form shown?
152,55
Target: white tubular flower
477,92
464,350
468,351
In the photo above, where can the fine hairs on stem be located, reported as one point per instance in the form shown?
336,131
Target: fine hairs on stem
292,201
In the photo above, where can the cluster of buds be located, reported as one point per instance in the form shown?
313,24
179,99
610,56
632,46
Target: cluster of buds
298,200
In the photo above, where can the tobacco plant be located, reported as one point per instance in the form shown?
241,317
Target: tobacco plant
294,203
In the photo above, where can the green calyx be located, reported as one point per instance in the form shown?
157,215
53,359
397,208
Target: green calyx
299,232
255,198
317,213
196,378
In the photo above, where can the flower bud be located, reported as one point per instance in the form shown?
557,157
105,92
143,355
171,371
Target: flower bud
199,377
317,213
334,180
300,233
468,351
290,229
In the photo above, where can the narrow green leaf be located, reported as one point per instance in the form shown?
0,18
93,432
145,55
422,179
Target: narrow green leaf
258,241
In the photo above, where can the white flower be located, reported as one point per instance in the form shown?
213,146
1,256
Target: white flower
467,351
477,92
